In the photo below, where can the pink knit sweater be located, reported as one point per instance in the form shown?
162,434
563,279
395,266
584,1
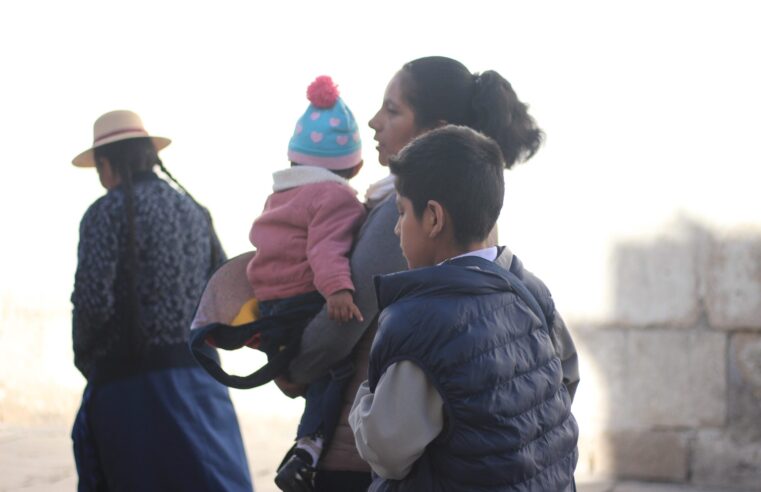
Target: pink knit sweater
303,239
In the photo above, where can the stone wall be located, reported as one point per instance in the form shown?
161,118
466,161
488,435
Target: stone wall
671,381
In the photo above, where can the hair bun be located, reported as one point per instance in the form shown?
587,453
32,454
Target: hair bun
322,93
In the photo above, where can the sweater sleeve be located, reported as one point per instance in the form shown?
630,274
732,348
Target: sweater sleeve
93,296
376,251
337,216
393,426
566,350
217,253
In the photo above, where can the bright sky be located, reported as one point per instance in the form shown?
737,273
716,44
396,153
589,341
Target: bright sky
651,111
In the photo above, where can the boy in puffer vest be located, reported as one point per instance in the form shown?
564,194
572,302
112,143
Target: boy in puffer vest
465,390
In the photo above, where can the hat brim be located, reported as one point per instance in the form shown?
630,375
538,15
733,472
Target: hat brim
87,158
226,291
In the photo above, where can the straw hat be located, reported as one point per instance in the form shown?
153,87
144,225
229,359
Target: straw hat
112,127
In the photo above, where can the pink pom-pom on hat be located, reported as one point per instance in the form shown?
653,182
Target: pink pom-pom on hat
322,93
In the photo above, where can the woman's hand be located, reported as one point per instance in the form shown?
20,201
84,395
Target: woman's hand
290,389
341,307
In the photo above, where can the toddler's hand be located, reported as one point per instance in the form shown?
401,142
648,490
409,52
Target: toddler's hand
341,307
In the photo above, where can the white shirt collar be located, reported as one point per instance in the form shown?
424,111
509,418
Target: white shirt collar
489,253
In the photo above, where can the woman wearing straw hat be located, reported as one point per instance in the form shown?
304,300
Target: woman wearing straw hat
150,418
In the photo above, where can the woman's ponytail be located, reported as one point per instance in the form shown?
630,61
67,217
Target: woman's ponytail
442,90
499,114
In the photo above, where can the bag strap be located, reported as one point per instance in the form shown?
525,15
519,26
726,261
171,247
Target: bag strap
281,332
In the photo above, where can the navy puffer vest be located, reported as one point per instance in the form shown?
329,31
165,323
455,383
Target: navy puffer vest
508,423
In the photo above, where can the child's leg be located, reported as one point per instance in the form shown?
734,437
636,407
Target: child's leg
318,422
308,305
322,409
310,436
296,473
311,300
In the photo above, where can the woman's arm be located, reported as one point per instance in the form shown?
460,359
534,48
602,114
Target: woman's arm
566,350
93,296
217,253
376,251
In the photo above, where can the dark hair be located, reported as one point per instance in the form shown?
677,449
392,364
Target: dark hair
442,89
344,173
459,168
129,158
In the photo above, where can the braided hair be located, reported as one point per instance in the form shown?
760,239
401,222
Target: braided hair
127,158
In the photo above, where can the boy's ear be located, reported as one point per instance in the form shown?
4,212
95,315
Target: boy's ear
435,218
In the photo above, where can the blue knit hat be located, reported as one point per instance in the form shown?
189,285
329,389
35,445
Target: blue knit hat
326,135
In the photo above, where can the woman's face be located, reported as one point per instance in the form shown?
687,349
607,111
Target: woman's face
394,123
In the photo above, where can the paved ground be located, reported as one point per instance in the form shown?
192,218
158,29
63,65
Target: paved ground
38,459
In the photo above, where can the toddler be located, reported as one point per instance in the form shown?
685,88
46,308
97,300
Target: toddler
303,238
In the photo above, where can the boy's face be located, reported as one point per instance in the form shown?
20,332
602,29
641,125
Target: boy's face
413,237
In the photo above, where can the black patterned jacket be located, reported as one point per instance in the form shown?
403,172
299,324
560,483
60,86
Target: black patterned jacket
174,258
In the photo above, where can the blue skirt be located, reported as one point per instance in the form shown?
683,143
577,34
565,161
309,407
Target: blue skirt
162,430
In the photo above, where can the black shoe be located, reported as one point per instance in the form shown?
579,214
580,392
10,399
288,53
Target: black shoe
296,474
